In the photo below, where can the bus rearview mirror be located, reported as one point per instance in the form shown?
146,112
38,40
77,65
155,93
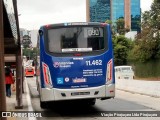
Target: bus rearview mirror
40,32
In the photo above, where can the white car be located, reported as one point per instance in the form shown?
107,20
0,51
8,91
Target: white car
124,72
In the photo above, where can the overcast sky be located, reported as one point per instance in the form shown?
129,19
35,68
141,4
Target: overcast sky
34,13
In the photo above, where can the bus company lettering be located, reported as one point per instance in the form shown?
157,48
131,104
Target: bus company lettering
62,64
78,23
93,72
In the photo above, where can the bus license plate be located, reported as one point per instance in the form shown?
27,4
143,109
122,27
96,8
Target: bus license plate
80,93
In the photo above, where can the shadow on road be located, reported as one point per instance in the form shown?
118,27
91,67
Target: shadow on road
70,109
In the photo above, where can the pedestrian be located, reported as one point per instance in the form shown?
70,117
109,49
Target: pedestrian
9,81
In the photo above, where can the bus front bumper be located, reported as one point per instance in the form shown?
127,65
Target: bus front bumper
54,94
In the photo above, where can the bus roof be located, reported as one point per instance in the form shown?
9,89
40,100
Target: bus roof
74,24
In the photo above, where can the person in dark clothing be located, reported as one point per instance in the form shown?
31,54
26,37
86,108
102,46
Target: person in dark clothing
9,81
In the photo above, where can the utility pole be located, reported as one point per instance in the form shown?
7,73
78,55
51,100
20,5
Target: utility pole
19,101
2,77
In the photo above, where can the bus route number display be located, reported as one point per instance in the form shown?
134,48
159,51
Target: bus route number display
93,32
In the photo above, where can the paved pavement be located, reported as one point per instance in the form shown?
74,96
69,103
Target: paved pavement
11,102
150,88
144,86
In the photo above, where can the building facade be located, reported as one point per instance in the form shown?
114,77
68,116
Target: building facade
117,10
102,10
135,15
99,10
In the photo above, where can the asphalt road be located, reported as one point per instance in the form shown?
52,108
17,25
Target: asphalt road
124,101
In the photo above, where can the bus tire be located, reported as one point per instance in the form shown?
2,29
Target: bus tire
92,102
43,105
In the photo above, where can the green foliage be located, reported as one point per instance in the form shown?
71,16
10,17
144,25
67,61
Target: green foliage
120,54
145,50
147,44
113,27
147,69
122,46
120,27
109,22
31,53
155,15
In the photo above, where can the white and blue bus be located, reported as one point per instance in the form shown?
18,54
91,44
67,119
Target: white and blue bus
75,62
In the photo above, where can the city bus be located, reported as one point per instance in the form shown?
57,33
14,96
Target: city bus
29,68
29,71
75,62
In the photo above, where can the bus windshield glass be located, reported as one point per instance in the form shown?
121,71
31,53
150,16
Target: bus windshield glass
75,39
126,69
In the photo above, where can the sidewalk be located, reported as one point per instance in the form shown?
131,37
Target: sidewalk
11,103
149,88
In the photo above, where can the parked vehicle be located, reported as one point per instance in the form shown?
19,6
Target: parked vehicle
124,72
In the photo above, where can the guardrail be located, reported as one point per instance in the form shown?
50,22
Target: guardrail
150,88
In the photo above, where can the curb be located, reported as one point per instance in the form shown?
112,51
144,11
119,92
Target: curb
30,108
155,96
148,88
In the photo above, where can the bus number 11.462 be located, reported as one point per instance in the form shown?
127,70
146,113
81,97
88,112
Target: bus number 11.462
93,62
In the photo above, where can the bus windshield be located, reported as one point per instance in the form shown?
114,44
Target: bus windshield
75,39
126,69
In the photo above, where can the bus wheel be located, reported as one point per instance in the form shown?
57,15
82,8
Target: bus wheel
43,105
92,102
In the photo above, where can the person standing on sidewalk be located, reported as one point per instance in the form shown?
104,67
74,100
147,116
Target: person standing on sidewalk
9,81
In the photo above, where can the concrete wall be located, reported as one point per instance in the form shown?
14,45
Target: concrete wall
151,88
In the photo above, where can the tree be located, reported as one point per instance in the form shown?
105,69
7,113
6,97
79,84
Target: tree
30,53
155,15
113,27
122,46
120,24
27,46
26,42
147,45
109,22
